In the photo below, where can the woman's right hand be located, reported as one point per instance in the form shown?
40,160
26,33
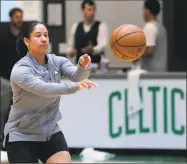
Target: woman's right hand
85,84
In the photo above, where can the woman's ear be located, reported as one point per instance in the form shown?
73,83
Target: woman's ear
26,42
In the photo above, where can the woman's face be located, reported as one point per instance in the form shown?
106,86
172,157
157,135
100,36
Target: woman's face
39,41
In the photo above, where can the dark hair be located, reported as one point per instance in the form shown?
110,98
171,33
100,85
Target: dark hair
153,6
14,10
26,31
89,2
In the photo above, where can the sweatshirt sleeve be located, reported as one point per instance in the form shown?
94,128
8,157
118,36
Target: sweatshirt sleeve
23,77
72,72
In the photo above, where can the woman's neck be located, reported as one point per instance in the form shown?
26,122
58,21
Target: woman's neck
40,58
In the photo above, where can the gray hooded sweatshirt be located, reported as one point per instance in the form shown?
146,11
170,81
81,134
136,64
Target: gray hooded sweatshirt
37,90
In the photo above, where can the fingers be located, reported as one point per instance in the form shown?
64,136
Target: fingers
81,87
86,57
90,83
85,60
83,57
86,84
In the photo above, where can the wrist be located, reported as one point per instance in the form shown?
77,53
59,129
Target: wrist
78,87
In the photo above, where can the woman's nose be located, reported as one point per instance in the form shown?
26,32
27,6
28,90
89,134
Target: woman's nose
44,40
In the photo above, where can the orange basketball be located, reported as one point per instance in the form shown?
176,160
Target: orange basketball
128,42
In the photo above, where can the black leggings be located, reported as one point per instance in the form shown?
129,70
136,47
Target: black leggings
31,152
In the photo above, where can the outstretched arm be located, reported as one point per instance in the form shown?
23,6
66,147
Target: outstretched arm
74,73
24,78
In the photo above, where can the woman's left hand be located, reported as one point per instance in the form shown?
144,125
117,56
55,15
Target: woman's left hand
85,61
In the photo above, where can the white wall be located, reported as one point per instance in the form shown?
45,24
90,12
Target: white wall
33,9
114,13
6,6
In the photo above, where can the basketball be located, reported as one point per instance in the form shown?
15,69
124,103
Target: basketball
128,42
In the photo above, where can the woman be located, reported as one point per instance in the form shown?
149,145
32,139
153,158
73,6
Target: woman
31,132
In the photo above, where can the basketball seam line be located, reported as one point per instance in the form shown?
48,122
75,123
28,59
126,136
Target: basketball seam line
122,53
131,46
126,45
117,33
120,29
125,36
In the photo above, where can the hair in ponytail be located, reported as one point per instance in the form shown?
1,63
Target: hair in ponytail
21,48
